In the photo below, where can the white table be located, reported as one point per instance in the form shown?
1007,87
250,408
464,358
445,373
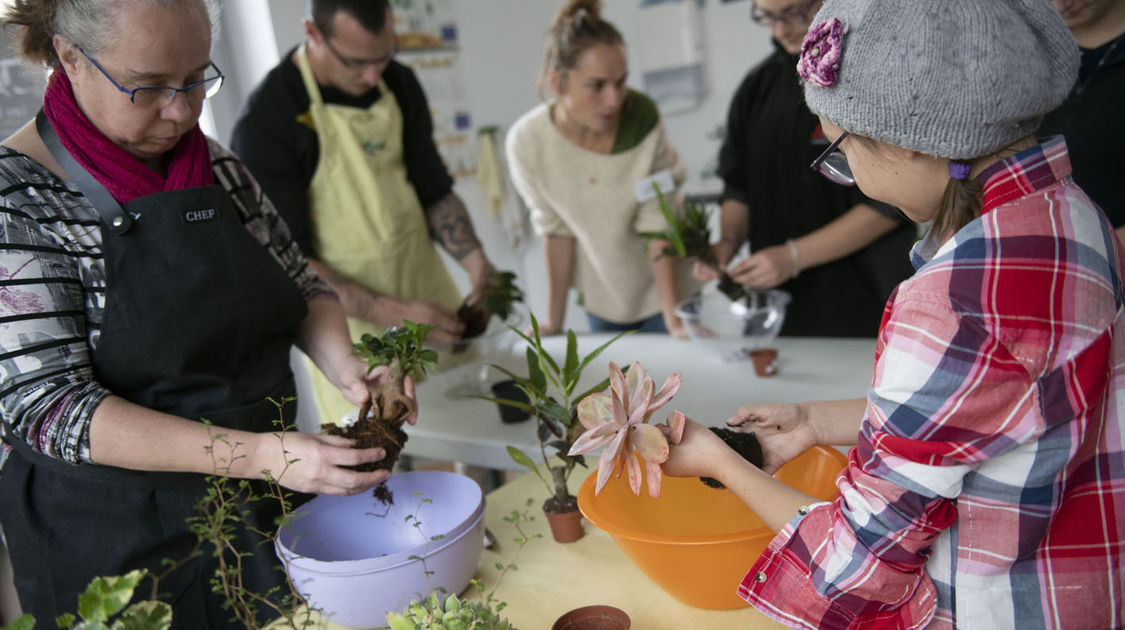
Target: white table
469,430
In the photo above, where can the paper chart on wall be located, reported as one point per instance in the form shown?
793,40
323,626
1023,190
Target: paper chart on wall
428,44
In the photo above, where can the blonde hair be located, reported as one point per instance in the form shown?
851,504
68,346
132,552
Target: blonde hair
577,27
88,24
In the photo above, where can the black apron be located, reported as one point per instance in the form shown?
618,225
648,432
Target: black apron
199,319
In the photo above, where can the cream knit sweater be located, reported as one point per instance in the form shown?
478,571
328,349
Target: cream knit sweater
589,196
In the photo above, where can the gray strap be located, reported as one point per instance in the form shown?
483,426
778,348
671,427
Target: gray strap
111,212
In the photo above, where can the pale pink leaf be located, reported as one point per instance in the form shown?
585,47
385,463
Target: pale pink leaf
653,476
592,439
676,423
650,442
638,408
635,376
662,397
634,472
608,460
617,383
595,410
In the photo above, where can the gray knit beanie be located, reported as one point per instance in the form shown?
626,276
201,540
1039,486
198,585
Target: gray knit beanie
956,79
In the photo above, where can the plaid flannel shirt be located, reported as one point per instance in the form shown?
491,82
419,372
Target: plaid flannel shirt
987,487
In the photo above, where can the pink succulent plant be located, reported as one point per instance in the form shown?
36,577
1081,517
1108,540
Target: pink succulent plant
619,420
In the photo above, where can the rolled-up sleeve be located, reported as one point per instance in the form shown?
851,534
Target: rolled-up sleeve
946,397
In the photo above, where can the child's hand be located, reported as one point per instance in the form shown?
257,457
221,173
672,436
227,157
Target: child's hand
698,454
783,430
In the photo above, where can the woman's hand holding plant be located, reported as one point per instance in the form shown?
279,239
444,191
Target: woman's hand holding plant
699,453
358,385
766,268
305,462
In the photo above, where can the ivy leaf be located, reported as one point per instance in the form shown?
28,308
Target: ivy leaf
106,596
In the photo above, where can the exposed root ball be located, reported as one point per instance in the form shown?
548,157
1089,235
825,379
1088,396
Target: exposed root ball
745,444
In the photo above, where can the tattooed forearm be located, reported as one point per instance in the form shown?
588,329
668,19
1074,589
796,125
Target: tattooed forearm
450,225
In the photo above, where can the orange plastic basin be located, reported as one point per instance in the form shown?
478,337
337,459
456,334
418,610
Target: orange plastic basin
697,542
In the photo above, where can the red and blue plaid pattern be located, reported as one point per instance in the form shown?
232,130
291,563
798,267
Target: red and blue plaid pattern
987,487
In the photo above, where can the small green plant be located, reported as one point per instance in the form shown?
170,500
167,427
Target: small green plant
550,388
379,420
403,350
104,605
499,298
689,236
445,611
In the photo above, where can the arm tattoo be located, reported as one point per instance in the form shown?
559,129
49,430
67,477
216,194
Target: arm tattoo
450,225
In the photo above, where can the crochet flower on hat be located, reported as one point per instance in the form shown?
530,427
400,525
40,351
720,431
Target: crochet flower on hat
821,51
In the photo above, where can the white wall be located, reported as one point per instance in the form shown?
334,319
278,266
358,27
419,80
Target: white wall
502,43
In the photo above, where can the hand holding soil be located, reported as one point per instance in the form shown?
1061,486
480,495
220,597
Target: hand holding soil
782,429
700,453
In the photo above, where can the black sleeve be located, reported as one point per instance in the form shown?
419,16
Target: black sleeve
424,166
280,151
732,166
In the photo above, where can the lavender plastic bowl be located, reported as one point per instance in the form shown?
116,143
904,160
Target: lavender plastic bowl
352,555
362,599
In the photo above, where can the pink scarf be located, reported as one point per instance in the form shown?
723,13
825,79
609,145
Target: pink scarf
124,176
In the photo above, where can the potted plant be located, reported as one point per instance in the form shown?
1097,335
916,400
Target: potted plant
379,420
499,298
689,236
550,387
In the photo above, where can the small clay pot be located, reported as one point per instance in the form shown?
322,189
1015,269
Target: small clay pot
566,526
507,389
598,617
765,361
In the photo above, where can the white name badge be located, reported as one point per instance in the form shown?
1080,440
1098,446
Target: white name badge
644,190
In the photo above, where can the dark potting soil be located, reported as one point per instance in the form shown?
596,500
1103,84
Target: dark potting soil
746,444
370,432
475,317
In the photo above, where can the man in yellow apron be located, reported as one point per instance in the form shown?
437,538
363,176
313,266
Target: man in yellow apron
339,135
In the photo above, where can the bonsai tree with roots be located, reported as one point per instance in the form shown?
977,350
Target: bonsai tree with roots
379,421
499,298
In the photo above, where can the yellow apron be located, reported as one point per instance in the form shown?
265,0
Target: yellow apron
367,221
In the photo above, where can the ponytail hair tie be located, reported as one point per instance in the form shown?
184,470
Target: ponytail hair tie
958,170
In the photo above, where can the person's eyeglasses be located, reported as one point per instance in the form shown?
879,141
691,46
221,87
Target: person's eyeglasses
833,164
352,63
156,95
792,16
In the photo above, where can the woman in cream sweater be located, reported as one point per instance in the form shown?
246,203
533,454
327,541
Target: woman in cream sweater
579,163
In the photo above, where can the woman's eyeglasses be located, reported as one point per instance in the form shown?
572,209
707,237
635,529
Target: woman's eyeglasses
833,164
791,16
158,95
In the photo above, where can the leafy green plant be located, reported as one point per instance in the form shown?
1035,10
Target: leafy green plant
403,350
499,298
445,611
380,419
689,236
550,387
104,605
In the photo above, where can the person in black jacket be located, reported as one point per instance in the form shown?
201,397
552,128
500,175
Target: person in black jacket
837,252
1091,118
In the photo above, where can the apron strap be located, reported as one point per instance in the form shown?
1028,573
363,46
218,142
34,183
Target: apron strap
110,211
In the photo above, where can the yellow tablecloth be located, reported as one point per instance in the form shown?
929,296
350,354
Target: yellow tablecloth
553,578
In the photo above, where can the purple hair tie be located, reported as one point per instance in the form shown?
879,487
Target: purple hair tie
958,170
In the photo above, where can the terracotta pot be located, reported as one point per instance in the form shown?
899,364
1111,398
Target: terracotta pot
593,618
566,526
765,361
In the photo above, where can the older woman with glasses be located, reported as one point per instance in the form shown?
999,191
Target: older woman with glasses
146,285
835,250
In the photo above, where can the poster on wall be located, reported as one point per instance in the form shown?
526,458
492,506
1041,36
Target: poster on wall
428,44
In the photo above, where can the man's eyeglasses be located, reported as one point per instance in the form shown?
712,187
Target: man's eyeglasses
158,95
352,63
792,16
833,164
